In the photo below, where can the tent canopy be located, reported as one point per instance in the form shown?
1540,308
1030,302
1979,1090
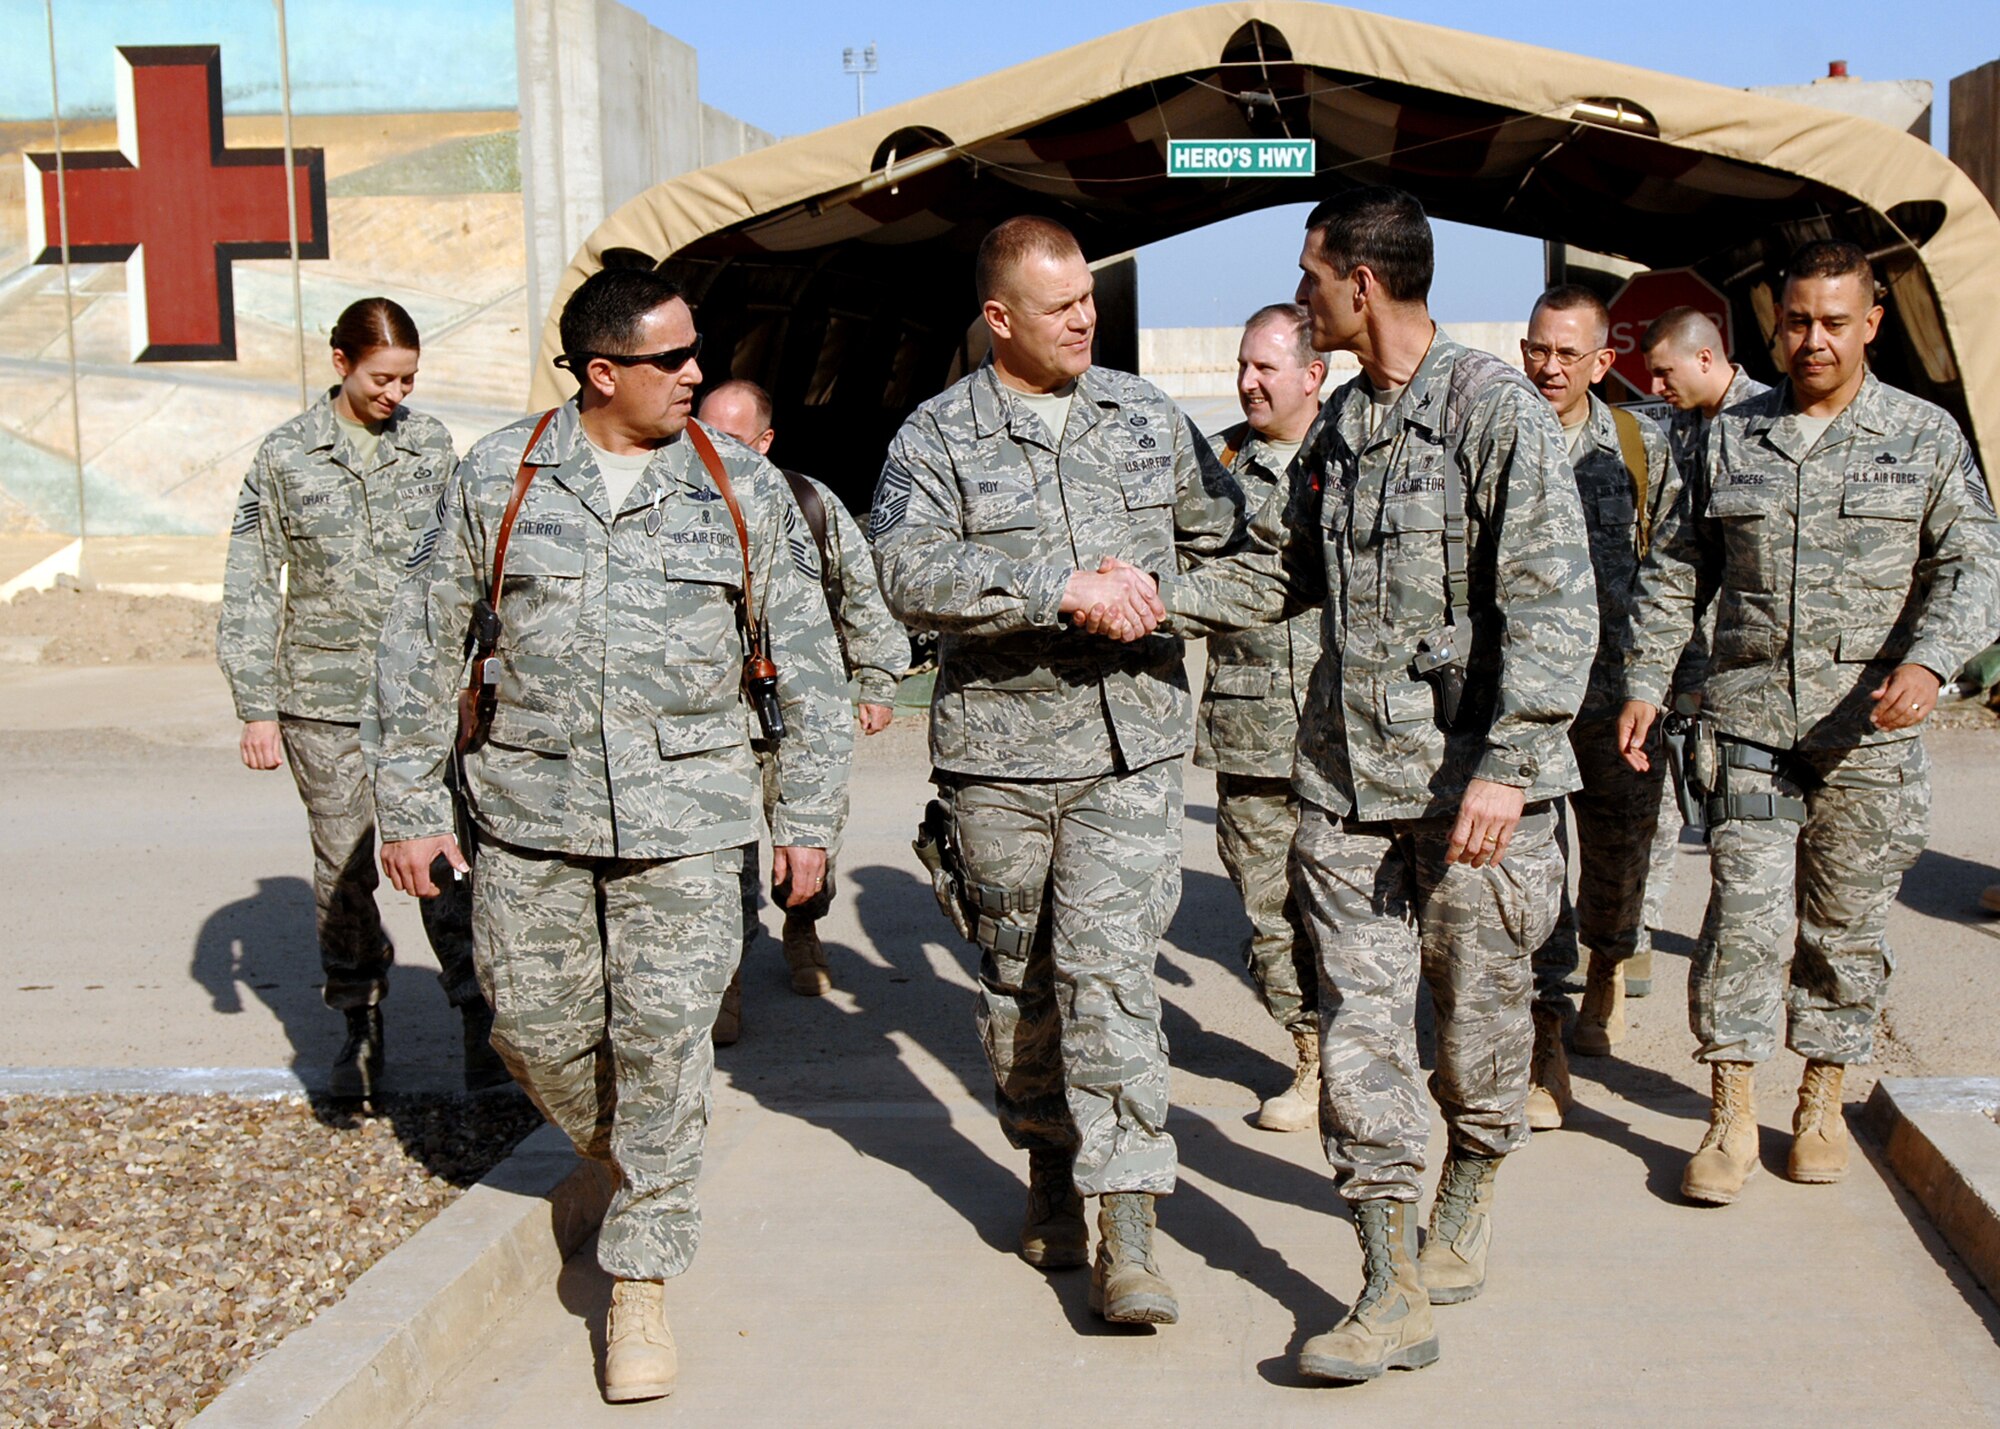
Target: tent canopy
835,268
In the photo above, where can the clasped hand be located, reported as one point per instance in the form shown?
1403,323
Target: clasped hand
1117,600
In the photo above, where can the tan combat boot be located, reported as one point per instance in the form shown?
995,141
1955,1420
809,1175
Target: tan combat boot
1125,1282
1454,1258
1548,1072
1639,971
639,1357
1600,1026
729,1017
1390,1325
1728,1154
1819,1131
1297,1107
1053,1235
805,957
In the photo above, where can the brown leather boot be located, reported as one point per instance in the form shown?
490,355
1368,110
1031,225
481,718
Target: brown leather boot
1297,1107
1819,1131
1728,1154
1125,1282
640,1361
805,957
1053,1235
1600,1026
1453,1262
729,1017
1390,1325
1548,1072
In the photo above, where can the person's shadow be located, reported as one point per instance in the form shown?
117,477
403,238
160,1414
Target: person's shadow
268,944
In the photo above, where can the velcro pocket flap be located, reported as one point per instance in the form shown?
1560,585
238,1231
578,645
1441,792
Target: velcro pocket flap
697,734
1243,681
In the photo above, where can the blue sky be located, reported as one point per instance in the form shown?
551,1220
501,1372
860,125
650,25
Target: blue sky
348,56
1218,274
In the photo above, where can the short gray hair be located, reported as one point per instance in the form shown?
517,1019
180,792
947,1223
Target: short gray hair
1301,320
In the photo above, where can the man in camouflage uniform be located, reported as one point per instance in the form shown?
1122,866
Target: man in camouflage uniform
1686,356
1248,724
1619,461
338,529
1847,535
1437,526
617,787
1057,750
876,651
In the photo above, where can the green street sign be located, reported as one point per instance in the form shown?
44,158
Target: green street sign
1240,158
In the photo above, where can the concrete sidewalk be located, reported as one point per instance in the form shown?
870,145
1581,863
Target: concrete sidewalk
856,1271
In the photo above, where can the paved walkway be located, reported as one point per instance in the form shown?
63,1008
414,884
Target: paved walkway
856,1271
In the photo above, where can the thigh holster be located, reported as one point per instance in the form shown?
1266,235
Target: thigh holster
1762,806
1005,918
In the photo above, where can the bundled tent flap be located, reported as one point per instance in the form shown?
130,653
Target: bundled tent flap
835,268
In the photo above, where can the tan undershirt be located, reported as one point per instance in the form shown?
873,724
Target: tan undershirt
361,438
1051,407
620,471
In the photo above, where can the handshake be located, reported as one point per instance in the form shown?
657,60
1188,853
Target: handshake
1117,600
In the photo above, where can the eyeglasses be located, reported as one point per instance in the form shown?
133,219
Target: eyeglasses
1539,353
669,362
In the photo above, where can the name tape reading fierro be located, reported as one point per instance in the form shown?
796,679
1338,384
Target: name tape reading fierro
1240,158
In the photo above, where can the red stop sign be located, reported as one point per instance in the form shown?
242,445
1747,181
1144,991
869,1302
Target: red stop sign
1644,297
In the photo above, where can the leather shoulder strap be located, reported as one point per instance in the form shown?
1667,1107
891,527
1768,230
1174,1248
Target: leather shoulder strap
705,449
524,474
1632,446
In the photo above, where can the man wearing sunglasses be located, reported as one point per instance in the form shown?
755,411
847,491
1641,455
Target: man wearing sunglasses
616,787
1620,462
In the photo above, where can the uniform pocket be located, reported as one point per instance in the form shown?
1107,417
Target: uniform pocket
996,503
1879,520
1744,514
1250,682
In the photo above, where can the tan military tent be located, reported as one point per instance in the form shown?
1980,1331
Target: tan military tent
836,267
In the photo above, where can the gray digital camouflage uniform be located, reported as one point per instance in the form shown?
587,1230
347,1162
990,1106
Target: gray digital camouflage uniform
1616,811
877,653
618,786
1058,750
1687,438
1831,567
1361,535
1246,731
338,532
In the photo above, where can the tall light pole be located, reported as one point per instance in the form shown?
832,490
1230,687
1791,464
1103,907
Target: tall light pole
860,64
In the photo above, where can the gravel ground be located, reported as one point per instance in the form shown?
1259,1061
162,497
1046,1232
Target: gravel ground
152,1246
99,627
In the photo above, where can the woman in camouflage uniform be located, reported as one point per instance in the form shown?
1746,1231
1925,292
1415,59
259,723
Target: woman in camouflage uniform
336,506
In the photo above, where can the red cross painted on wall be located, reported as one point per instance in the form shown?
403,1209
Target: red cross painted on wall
174,205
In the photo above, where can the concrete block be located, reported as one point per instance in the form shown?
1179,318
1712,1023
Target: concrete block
413,1320
1941,1137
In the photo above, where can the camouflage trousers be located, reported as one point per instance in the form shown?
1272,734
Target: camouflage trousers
814,908
1385,909
605,975
1255,819
1826,887
1660,863
355,952
1082,876
1616,815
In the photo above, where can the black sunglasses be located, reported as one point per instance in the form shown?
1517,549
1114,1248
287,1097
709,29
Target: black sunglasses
669,362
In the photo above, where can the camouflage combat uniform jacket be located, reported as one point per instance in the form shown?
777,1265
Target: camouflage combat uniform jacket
620,727
1255,689
877,647
1687,433
1362,536
978,525
1612,517
1830,567
345,534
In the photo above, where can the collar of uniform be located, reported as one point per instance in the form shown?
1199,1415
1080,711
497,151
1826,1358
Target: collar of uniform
565,455
1866,411
1601,428
1252,448
1742,387
1421,402
993,410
